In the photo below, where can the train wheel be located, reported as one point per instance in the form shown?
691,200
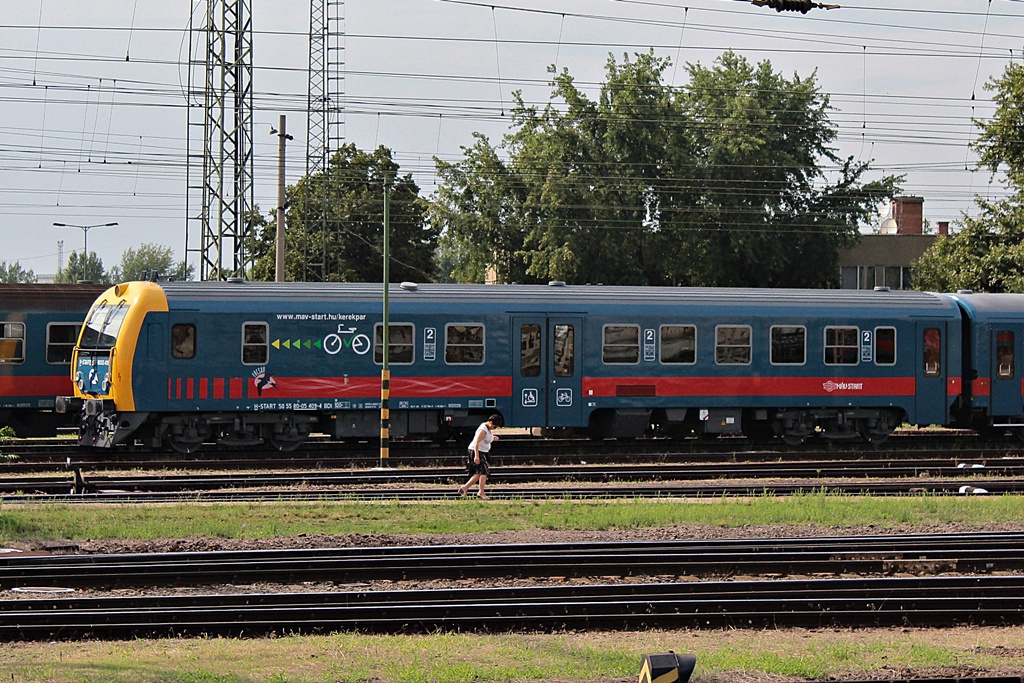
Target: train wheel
284,438
875,437
877,431
284,445
183,444
188,438
791,439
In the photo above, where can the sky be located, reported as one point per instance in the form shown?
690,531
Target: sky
94,127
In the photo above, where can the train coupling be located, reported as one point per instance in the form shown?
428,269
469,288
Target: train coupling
67,404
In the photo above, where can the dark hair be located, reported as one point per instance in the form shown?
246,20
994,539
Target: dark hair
496,419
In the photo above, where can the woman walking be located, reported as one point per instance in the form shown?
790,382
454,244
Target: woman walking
476,456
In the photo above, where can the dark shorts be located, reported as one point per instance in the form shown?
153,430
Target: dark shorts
473,468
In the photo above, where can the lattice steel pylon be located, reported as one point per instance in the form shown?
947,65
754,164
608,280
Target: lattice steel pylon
325,127
220,171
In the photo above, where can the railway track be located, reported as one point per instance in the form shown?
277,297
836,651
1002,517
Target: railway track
514,450
918,601
911,602
924,554
560,492
940,476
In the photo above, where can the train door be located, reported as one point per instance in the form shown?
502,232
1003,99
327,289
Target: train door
546,379
1006,381
931,372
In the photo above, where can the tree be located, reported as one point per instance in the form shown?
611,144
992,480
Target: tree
80,268
346,245
986,254
13,272
148,261
718,183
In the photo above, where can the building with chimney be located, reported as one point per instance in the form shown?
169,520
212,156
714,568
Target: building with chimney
883,259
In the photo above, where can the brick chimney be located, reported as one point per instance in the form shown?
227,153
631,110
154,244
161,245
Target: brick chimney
909,215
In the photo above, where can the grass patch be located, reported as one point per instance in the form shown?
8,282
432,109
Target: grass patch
267,520
462,658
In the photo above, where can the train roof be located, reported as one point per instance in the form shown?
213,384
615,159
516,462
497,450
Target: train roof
981,306
184,295
21,297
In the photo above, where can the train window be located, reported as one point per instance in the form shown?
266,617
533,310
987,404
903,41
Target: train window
842,345
932,352
400,343
885,346
529,350
732,345
679,344
12,342
464,344
621,344
789,345
1004,355
60,342
564,351
103,325
183,341
255,343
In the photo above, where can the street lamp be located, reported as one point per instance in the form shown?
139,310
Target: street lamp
85,233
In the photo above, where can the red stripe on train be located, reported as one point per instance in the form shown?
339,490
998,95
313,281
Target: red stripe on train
365,387
45,386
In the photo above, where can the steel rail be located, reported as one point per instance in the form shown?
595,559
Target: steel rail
930,602
923,554
383,491
151,482
515,450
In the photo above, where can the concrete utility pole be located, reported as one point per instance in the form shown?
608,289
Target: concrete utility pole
282,204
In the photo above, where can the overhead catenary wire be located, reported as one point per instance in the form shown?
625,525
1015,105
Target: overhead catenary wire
913,128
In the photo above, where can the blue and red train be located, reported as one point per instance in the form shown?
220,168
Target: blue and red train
39,326
183,363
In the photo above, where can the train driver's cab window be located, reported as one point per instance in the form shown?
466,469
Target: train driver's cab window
400,343
789,345
932,352
885,346
183,341
679,344
621,344
255,343
842,345
1005,355
12,342
103,325
60,342
732,345
464,344
564,348
529,350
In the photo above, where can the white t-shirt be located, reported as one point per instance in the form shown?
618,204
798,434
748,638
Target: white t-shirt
483,442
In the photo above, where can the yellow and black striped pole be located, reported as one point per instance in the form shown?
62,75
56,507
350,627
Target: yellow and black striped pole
385,416
385,342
